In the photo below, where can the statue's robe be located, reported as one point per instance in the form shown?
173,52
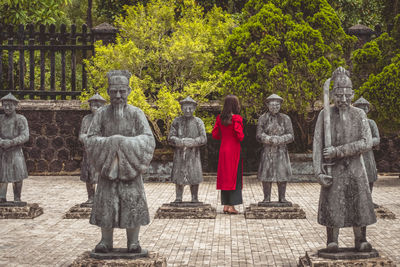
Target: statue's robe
369,158
274,162
347,202
12,160
187,162
86,175
120,150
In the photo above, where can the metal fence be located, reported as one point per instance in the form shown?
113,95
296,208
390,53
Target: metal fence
44,62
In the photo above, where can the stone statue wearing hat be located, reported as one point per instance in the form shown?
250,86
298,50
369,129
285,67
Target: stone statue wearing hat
342,134
95,102
187,134
369,159
274,131
14,132
120,146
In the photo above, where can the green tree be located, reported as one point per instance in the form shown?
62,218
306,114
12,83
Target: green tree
28,11
352,12
169,55
288,48
376,75
383,92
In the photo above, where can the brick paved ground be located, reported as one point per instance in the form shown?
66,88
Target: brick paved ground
232,240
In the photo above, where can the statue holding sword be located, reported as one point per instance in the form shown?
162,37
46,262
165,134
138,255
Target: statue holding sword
342,134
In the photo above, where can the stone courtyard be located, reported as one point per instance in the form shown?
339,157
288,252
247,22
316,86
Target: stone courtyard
229,240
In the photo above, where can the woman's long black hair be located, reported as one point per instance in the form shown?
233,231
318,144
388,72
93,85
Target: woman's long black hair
231,106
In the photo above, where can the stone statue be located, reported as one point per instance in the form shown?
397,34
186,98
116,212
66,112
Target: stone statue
95,102
369,159
274,131
342,134
14,132
187,134
120,146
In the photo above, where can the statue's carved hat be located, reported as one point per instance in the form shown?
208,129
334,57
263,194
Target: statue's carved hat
118,77
361,101
97,97
274,97
341,78
188,100
9,97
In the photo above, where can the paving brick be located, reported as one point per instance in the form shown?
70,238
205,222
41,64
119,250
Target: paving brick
229,240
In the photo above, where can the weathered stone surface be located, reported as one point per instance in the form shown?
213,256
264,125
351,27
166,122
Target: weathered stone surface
42,166
152,260
186,210
48,154
13,204
384,213
35,153
63,154
71,165
79,211
347,254
42,142
55,166
275,204
312,259
57,142
254,211
51,130
119,253
30,165
29,211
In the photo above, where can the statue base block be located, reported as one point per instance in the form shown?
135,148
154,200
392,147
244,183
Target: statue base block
13,204
280,211
344,257
275,204
384,213
79,211
119,253
186,210
18,210
152,259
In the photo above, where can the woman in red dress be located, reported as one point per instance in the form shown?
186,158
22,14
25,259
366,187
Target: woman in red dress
229,129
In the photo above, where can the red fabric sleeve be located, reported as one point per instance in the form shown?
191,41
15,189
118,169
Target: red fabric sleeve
216,132
238,127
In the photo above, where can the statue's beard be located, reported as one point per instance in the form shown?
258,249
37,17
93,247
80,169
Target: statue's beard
118,109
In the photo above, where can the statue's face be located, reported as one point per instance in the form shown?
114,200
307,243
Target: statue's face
118,94
188,110
274,106
342,97
95,105
9,107
365,108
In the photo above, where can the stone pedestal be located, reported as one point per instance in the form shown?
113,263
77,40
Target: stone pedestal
274,210
79,211
186,210
19,210
152,260
384,213
344,257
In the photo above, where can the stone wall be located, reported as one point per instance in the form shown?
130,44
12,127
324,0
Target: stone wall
54,148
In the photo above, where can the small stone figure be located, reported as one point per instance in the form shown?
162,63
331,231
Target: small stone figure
95,102
274,131
342,134
120,146
369,159
187,134
14,132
